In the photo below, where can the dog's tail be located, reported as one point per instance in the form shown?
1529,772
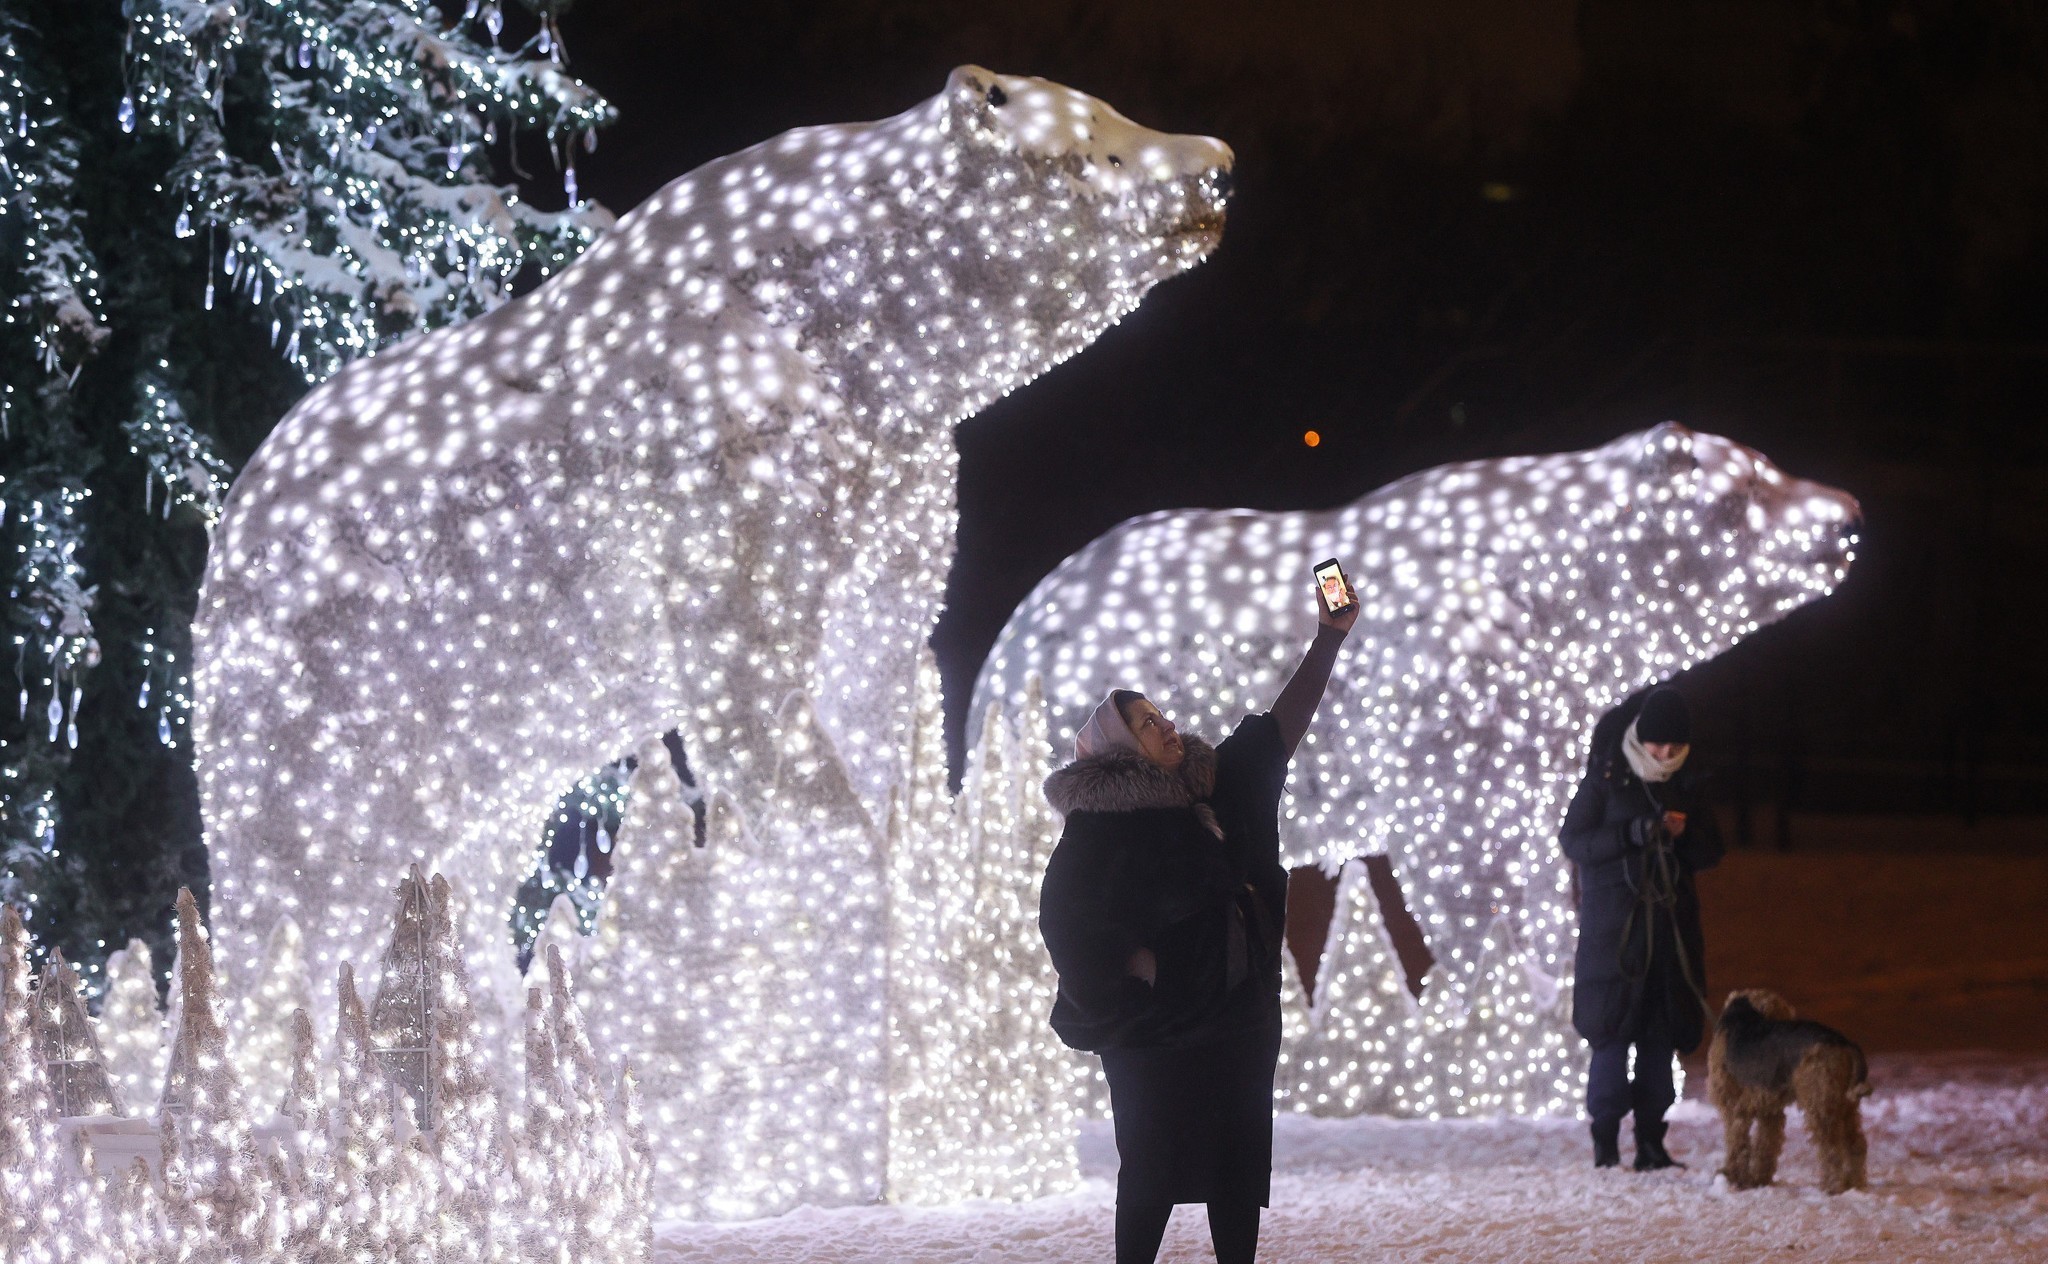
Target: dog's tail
1862,1086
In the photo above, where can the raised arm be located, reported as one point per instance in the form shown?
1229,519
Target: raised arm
1303,692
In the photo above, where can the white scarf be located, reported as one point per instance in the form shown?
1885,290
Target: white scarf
1648,767
1106,731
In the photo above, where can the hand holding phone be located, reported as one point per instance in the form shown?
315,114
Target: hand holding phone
1335,589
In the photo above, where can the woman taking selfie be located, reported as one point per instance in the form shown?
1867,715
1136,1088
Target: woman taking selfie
1163,909
1636,832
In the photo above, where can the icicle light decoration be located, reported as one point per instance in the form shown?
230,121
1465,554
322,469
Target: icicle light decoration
1506,605
184,470
48,625
53,281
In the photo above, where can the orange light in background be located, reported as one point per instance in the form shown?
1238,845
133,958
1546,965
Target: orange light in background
1311,437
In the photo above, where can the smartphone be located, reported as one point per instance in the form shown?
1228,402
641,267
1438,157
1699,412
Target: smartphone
1336,590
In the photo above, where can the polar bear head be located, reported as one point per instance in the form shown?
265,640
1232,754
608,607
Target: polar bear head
1650,553
923,265
1066,169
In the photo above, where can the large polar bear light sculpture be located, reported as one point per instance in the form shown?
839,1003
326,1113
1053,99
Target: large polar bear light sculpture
1506,605
707,469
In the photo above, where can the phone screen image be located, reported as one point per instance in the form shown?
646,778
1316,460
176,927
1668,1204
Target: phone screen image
1330,579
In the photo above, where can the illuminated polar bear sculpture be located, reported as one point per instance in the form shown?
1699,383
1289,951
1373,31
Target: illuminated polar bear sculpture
1506,605
707,468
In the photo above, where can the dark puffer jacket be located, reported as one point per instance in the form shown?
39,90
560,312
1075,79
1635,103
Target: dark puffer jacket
1641,955
1140,866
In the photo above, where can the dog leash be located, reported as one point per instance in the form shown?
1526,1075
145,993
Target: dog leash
1659,889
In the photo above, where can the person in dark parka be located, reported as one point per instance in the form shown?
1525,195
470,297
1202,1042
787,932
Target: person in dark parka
1637,831
1163,909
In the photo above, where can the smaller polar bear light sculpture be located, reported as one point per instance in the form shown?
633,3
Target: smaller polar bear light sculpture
707,469
1506,605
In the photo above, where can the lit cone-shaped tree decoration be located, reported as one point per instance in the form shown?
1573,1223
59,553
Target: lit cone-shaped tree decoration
636,1235
929,906
543,1128
562,932
402,1017
425,1031
987,811
969,985
588,1162
213,1180
31,1176
70,1052
301,1101
367,1181
1029,1075
136,1234
131,1028
1342,1052
265,1039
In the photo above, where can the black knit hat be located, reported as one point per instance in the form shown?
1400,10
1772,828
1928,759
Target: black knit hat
1664,717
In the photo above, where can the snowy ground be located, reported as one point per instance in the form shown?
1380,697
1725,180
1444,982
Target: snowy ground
1958,1166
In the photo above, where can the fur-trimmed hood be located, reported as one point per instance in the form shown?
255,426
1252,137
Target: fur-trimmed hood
1121,781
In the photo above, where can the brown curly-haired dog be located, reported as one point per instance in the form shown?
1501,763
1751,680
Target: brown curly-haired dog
1764,1059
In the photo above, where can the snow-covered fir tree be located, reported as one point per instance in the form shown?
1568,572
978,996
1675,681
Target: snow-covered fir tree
53,323
373,211
282,186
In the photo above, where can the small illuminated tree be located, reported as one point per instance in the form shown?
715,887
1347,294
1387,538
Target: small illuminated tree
69,1048
267,1024
213,1178
31,1167
132,1027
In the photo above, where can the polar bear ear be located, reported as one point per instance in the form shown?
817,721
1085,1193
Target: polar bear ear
1666,454
972,101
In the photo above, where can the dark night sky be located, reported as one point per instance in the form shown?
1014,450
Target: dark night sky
1480,227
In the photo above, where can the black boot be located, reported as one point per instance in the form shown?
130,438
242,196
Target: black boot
1607,1143
1651,1156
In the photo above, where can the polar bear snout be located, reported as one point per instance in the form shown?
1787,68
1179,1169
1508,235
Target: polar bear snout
1195,210
1211,196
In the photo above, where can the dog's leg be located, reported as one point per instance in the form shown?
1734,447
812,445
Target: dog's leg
1837,1136
1854,1150
1858,1150
1735,1164
1770,1140
1826,1081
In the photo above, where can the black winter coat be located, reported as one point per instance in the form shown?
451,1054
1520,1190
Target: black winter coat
1638,908
1139,866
